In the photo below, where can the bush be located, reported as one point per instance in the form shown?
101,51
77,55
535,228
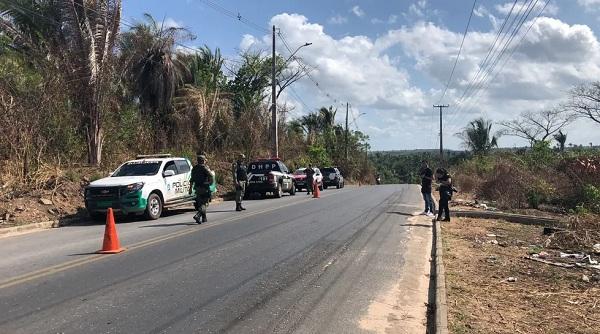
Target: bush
591,198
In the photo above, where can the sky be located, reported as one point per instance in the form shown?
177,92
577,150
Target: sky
391,60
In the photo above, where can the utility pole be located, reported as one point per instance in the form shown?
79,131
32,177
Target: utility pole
274,135
346,136
441,133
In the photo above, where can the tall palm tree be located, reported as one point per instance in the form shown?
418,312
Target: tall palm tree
155,70
206,68
561,138
477,136
72,39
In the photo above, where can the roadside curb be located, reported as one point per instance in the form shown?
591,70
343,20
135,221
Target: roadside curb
441,305
510,217
33,227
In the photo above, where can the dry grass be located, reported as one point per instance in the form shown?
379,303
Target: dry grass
544,299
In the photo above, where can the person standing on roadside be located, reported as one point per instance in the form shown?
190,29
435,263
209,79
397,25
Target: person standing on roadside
202,178
445,188
426,180
240,178
310,179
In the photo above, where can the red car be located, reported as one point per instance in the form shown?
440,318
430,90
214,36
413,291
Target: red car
300,178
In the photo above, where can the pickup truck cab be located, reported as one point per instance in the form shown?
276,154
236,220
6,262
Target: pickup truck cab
269,176
147,185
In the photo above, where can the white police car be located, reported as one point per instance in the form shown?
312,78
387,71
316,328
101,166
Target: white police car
146,185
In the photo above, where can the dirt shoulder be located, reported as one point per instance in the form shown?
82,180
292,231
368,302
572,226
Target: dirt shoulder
494,288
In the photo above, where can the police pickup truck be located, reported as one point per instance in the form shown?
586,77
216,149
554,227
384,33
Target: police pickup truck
146,186
269,176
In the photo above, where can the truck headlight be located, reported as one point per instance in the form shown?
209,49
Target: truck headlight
135,187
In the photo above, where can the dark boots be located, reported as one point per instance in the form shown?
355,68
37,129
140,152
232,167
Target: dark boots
200,217
239,207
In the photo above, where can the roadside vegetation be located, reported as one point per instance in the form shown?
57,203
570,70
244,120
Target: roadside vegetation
80,93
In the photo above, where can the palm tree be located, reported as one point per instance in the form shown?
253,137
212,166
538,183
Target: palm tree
206,68
477,136
72,39
561,138
155,70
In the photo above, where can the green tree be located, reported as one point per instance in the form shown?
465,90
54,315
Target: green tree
477,136
74,39
155,70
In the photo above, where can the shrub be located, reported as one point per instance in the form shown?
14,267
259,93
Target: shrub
591,198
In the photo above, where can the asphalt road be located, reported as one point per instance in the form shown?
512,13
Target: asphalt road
294,264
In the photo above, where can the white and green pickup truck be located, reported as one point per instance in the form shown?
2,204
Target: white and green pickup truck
147,185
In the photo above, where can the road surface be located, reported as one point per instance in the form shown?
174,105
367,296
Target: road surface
289,265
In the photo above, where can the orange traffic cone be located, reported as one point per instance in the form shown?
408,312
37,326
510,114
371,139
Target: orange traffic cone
111,240
316,193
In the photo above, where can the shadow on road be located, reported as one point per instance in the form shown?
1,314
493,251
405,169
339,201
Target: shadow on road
169,225
417,225
401,213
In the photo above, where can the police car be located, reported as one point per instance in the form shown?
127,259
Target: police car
147,185
270,176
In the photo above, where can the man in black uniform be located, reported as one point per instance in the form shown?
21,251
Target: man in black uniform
445,183
201,180
426,180
240,178
310,179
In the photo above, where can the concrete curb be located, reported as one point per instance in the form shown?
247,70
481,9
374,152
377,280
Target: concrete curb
4,232
33,227
510,217
441,305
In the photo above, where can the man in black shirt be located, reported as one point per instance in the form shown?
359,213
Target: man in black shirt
310,179
200,181
240,178
426,179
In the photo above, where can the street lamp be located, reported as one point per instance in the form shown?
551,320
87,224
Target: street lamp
293,53
274,94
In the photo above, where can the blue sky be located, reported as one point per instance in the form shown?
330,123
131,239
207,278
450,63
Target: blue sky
391,59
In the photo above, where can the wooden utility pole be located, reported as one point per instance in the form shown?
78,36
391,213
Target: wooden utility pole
346,137
441,133
274,134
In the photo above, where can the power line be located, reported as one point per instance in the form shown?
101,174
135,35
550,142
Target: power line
236,16
514,49
459,51
494,54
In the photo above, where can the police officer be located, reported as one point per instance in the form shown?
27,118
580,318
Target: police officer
201,180
310,179
240,178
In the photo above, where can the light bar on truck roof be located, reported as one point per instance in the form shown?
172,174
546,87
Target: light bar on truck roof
149,156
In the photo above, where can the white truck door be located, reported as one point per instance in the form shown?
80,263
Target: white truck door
171,179
184,169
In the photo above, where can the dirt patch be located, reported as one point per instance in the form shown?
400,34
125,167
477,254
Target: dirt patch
403,307
493,288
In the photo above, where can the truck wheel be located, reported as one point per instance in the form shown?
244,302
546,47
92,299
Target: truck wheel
154,207
293,190
339,185
325,187
279,192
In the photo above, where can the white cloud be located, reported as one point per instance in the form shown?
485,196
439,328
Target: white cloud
337,19
589,5
356,10
524,7
392,19
553,57
415,10
351,68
